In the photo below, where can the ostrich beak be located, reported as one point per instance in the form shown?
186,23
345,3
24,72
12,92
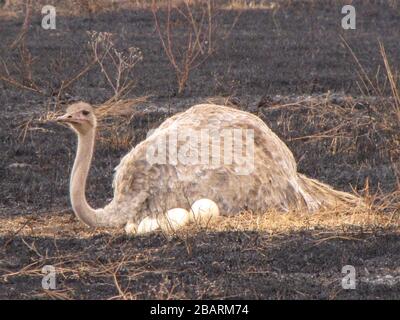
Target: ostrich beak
69,118
63,118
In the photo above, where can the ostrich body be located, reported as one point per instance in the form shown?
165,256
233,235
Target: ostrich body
144,188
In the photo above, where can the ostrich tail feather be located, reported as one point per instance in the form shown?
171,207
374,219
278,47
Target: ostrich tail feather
325,197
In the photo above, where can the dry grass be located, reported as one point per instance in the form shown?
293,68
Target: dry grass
251,5
79,7
135,260
338,220
63,224
114,118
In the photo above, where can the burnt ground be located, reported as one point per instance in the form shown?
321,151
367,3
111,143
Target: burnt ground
291,68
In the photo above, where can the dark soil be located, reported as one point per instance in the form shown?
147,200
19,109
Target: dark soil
294,57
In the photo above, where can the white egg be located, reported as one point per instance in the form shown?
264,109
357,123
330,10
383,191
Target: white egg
174,219
203,211
147,225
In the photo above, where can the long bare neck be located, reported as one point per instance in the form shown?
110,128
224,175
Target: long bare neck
79,175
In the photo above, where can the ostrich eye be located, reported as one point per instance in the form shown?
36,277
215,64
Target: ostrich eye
85,113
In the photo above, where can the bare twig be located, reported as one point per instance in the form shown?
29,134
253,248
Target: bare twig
115,65
25,26
198,30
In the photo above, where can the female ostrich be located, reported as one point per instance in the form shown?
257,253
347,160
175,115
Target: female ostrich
146,185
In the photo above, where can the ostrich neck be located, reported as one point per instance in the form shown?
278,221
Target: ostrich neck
78,179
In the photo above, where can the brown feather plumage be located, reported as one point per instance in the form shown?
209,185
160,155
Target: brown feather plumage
144,189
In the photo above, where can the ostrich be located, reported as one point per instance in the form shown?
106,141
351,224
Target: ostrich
146,189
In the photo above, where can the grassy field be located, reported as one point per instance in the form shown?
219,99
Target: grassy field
330,94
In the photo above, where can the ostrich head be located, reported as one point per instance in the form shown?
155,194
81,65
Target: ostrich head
80,116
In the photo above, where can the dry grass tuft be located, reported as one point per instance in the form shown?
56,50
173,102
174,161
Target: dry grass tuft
341,220
277,223
114,119
123,108
120,108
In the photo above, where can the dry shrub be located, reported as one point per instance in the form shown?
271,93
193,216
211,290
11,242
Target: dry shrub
332,132
387,111
189,33
116,65
19,72
17,66
193,28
